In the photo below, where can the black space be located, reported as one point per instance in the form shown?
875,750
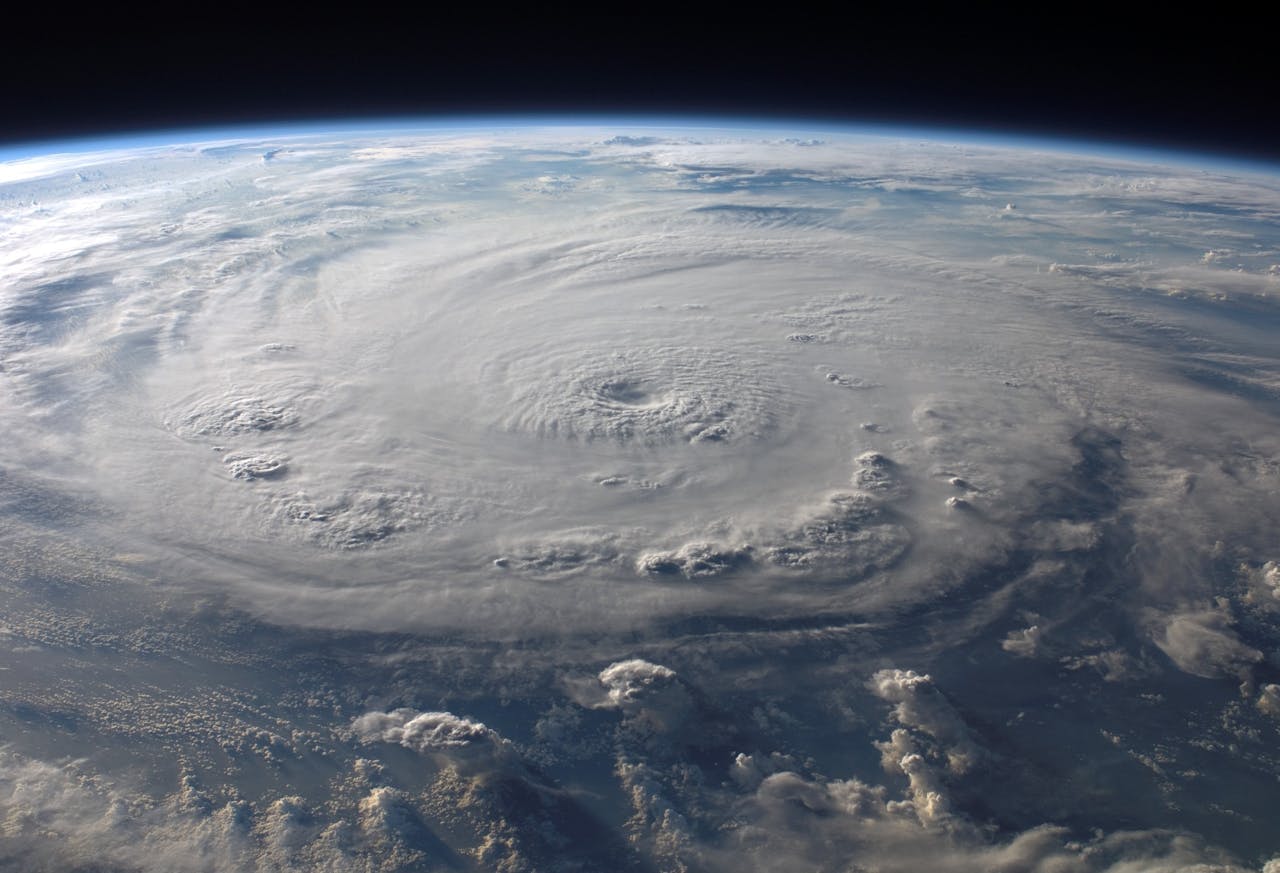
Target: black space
1190,84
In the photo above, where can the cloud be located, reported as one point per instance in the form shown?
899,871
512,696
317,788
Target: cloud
920,706
1203,644
794,823
237,413
631,140
492,448
1264,585
391,830
927,796
1269,700
354,519
877,474
649,695
248,467
629,683
694,561
421,731
639,394
61,817
848,535
1024,643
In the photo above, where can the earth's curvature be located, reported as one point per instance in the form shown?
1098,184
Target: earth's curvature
615,498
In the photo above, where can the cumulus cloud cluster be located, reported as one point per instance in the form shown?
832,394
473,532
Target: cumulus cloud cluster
59,818
797,823
920,706
421,731
694,561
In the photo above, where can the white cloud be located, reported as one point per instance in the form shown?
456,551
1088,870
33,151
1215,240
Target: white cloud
1024,643
711,402
920,706
1269,699
792,823
694,561
421,731
630,682
61,817
1203,644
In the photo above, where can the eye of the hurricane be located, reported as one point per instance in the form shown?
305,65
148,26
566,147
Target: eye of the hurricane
647,395
626,392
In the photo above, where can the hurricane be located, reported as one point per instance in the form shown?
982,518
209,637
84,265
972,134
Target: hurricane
589,497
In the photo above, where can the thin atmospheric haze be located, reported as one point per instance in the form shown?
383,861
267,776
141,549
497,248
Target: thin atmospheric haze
603,497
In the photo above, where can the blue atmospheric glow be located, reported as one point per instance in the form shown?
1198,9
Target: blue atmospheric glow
187,136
